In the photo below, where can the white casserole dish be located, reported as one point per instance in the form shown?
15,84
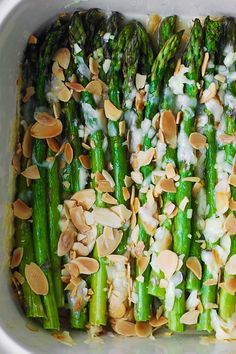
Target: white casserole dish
18,19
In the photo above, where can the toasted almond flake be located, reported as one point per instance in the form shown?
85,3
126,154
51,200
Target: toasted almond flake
94,87
72,269
220,78
64,338
86,265
126,193
93,66
21,210
167,185
17,256
230,224
234,165
53,145
170,171
117,311
85,161
78,219
107,245
157,323
210,306
153,23
232,180
196,189
40,131
139,103
62,57
197,140
177,67
86,198
86,146
111,112
99,177
75,86
45,118
222,202
29,92
179,117
230,266
107,198
56,109
68,153
19,277
27,143
209,93
168,127
195,266
145,157
65,242
134,234
229,285
128,181
31,172
143,329
16,162
104,187
122,211
190,317
169,208
122,126
191,179
58,71
205,64
115,258
140,81
210,282
108,178
32,39
125,328
183,203
226,139
36,279
142,262
106,217
64,94
137,177
167,262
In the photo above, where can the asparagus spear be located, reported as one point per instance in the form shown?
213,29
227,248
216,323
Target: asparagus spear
182,224
167,28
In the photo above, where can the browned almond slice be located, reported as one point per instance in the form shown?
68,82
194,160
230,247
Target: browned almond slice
56,109
170,171
229,285
85,161
86,198
179,117
195,266
209,93
32,39
64,338
168,127
210,282
36,279
128,181
31,172
45,118
53,145
220,78
117,311
191,179
16,257
196,189
29,92
75,86
94,87
58,71
107,198
73,269
197,140
122,211
190,317
226,139
64,94
78,219
234,165
19,277
106,217
232,204
21,210
205,63
140,81
125,328
108,178
211,305
106,245
142,263
167,185
68,153
62,57
167,261
232,180
115,258
156,323
104,186
16,162
93,66
145,157
27,143
126,193
143,329
111,112
66,241
183,203
87,265
139,100
230,224
230,266
153,23
177,67
222,202
122,126
137,177
169,208
40,131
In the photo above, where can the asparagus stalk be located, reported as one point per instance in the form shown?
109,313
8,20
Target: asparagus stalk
167,29
182,224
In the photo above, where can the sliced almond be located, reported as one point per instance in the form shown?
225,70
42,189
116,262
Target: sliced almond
32,39
31,172
85,161
137,177
153,23
66,241
179,117
232,180
86,198
210,306
117,311
125,328
126,193
205,63
143,329
197,140
229,285
27,143
167,185
145,157
230,266
234,165
190,317
75,86
209,93
158,322
108,241
128,181
106,217
195,266
230,224
122,211
94,87
191,179
64,94
167,261
62,57
78,219
45,118
168,127
226,139
36,279
210,282
178,66
115,258
58,71
86,265
19,277
169,208
220,78
142,263
17,256
196,189
64,338
107,198
104,187
139,100
68,153
93,66
29,92
53,145
73,269
183,203
40,131
111,112
56,109
170,171
140,81
16,162
108,178
21,210
122,126
222,202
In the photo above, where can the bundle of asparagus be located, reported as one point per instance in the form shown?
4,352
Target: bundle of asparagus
131,178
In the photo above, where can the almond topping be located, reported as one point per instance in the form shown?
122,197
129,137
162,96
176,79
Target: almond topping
226,139
170,171
31,172
179,117
209,93
32,39
106,217
234,165
45,118
156,323
232,204
143,329
64,94
58,71
19,277
140,81
142,264
195,266
137,177
183,203
125,328
232,180
167,185
167,262
36,279
153,23
56,109
68,153
145,157
177,67
53,145
108,241
191,179
21,210
62,57
86,198
27,143
108,178
40,131
107,198
190,317
123,212
126,193
196,188
230,266
128,181
29,92
122,126
104,187
86,265
111,112
16,257
78,219
220,78
168,127
230,224
85,161
169,208
197,140
65,242
229,285
75,86
210,282
94,87
93,66
222,202
205,63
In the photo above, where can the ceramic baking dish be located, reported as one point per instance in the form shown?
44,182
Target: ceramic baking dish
18,19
